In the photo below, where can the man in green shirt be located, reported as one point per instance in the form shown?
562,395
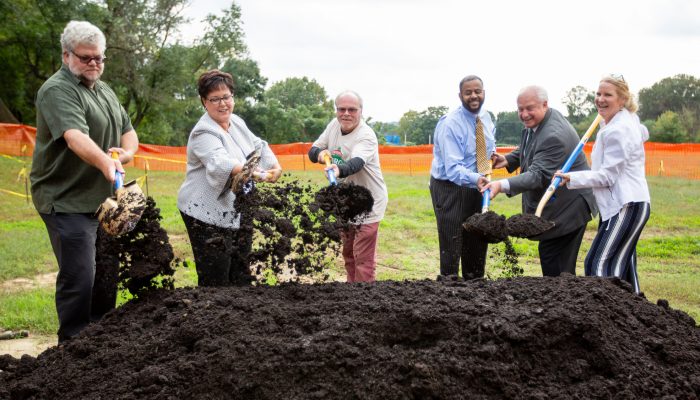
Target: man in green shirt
79,124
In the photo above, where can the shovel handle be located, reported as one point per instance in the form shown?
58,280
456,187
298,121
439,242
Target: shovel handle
567,166
329,173
118,176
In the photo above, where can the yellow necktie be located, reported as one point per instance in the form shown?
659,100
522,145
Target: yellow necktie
482,162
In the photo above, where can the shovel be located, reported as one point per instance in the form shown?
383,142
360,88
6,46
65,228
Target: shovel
490,226
243,181
329,172
526,225
120,213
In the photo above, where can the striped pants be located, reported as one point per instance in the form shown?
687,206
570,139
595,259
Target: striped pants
613,251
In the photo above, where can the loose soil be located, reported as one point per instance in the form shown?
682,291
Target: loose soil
490,227
539,338
495,228
527,225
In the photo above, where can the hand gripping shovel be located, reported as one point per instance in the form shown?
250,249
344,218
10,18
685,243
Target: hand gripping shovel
242,181
120,213
525,225
490,226
329,173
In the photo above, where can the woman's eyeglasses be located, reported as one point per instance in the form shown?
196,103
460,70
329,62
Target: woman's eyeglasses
218,100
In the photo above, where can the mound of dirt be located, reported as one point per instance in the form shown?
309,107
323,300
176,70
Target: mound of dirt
566,337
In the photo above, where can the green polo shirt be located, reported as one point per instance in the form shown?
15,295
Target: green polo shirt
61,181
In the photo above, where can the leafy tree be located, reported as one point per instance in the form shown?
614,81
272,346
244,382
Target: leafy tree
668,128
508,128
579,103
680,94
418,127
30,51
295,92
383,128
293,110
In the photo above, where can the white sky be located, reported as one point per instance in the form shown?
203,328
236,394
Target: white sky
403,55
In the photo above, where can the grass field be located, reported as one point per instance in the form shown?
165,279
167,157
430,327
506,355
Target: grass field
668,252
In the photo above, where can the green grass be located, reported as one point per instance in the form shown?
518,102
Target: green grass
34,310
668,251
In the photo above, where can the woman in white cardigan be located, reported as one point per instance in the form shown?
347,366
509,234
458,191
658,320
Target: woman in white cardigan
618,182
216,152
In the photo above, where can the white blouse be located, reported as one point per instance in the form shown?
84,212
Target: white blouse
617,165
212,153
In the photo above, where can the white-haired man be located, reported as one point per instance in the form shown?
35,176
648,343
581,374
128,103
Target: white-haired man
80,122
354,149
547,141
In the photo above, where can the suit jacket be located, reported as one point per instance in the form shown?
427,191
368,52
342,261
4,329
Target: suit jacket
546,152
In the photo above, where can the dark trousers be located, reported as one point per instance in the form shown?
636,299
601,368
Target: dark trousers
73,241
453,204
559,254
221,255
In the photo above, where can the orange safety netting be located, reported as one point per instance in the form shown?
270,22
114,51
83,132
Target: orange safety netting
662,159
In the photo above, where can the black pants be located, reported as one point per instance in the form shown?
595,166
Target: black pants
453,204
73,241
221,255
559,254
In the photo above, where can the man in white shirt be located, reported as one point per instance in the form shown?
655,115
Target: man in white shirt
353,148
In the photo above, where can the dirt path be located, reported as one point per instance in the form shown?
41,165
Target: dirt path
32,345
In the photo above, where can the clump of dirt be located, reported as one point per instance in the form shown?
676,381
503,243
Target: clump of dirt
489,226
139,260
346,201
564,337
527,225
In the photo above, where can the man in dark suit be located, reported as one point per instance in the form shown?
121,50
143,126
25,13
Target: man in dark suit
546,143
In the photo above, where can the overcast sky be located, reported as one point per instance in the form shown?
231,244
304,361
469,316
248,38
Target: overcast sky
403,55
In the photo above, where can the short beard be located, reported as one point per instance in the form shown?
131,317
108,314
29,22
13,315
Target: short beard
84,79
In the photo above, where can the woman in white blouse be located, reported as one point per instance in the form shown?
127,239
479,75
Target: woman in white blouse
618,182
216,152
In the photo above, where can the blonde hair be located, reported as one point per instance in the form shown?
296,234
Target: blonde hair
622,90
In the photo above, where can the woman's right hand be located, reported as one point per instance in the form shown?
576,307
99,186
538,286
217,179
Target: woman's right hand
565,178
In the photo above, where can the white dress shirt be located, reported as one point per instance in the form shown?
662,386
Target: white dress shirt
617,165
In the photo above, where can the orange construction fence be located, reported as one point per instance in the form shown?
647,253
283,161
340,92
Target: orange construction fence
662,159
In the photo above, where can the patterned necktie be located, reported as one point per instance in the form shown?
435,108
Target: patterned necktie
528,138
482,162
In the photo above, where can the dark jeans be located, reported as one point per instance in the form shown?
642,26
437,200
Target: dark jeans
221,255
73,241
559,254
453,204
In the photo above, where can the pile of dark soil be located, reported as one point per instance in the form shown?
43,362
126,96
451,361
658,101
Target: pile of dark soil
540,338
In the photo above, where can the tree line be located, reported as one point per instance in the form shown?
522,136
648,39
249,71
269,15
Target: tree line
154,74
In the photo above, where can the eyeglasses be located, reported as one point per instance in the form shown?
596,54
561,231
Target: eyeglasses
350,110
87,59
218,100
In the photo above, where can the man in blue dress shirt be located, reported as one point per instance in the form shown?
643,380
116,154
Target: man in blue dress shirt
455,181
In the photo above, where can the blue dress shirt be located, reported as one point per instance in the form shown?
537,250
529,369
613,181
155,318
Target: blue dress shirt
454,149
